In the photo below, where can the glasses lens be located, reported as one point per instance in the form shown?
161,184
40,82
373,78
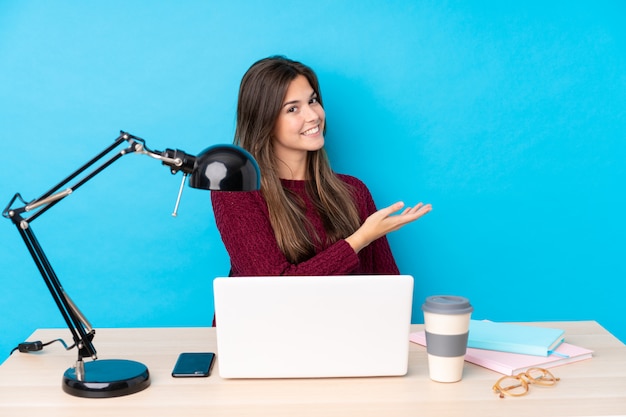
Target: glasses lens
541,376
512,386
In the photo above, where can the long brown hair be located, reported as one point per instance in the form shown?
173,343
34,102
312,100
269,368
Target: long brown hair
261,94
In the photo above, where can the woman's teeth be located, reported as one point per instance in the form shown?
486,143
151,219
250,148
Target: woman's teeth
311,131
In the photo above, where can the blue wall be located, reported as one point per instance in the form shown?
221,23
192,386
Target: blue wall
509,118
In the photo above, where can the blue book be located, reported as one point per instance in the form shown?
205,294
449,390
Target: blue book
514,338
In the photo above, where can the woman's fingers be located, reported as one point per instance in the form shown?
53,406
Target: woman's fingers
419,208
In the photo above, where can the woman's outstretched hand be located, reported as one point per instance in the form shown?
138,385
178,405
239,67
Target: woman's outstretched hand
385,221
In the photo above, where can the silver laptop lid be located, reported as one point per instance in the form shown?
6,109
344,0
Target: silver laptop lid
322,326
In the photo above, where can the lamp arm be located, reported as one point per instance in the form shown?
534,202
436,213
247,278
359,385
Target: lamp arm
82,333
51,197
23,216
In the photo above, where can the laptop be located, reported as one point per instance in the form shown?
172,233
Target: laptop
313,326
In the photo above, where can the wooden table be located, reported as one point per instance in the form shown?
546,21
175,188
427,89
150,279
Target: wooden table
30,384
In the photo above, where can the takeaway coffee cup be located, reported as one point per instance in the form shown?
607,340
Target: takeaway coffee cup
446,321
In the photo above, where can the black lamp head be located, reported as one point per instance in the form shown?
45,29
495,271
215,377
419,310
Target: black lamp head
225,168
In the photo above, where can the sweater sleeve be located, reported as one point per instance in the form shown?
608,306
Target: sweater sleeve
242,219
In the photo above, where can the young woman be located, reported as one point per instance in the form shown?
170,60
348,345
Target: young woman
306,219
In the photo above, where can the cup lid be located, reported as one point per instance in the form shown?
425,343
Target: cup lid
447,304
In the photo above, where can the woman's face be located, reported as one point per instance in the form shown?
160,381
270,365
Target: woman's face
300,123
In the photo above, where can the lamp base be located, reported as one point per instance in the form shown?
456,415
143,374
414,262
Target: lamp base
107,378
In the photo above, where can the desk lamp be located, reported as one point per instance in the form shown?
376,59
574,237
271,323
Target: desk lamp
217,168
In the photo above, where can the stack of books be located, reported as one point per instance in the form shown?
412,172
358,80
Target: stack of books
513,348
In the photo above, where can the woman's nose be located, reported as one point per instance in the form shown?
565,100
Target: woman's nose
312,114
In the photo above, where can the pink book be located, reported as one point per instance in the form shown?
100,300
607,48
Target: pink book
513,363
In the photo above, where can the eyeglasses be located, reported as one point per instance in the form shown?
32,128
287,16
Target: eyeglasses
517,385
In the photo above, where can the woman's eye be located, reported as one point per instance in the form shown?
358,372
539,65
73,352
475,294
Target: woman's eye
292,109
313,100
